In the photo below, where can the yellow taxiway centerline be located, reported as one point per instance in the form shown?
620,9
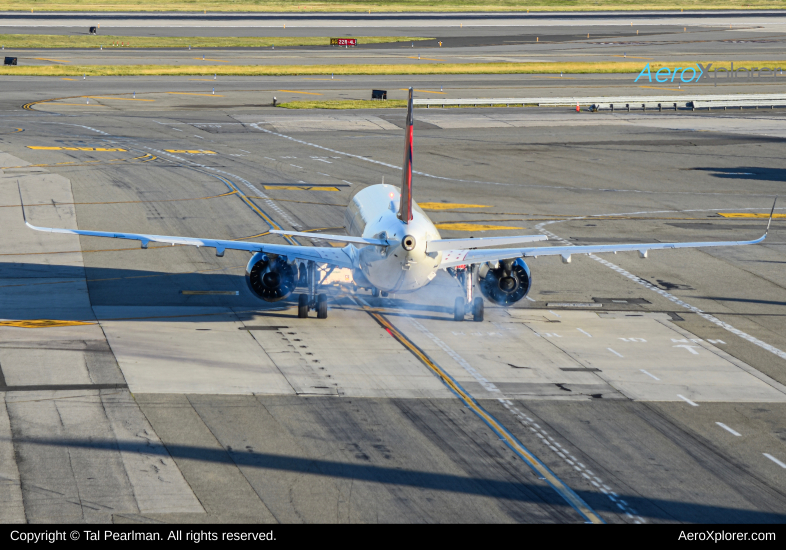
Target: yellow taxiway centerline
564,491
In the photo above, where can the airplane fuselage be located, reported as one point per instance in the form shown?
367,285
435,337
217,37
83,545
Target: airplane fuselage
404,266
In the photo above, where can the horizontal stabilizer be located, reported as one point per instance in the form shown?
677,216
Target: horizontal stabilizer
339,238
484,242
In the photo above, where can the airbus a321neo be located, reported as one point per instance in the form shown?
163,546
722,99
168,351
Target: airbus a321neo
393,246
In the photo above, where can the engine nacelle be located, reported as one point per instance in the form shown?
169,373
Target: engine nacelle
505,282
270,277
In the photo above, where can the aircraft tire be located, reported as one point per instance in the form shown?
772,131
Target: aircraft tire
302,306
477,309
458,309
322,306
375,292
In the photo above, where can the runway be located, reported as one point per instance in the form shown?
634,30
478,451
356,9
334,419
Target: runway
151,385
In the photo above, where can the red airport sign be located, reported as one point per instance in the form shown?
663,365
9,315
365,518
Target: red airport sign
343,41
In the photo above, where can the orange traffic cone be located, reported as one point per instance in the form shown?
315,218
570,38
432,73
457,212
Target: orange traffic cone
578,109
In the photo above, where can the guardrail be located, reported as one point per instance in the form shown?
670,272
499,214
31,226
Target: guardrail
621,102
771,103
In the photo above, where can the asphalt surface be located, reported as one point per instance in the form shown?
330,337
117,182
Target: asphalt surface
156,387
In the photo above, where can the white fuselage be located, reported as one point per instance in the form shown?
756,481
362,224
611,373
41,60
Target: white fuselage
372,213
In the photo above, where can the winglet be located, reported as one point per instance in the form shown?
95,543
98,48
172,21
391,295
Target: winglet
771,212
405,208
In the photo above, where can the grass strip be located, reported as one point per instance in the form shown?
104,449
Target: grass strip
299,6
338,70
95,41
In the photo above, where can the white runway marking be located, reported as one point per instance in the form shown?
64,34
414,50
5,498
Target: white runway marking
688,401
775,460
636,279
296,166
554,314
530,299
585,332
614,352
687,347
650,375
200,137
725,427
347,182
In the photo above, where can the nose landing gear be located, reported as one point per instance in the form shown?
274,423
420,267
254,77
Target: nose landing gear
312,300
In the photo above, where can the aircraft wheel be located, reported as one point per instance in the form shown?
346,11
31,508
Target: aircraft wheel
375,292
458,309
321,306
477,309
384,294
302,306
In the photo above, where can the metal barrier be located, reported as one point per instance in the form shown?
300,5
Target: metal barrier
768,103
604,102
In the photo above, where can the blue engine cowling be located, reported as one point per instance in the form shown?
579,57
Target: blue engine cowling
270,277
505,282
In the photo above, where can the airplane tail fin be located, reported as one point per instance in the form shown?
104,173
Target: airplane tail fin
405,208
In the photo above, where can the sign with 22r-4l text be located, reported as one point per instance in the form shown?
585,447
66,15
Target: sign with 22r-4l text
343,41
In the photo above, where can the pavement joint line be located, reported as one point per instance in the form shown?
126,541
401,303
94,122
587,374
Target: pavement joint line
635,278
725,427
509,439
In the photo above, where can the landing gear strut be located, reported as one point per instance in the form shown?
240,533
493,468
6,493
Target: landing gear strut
312,300
466,304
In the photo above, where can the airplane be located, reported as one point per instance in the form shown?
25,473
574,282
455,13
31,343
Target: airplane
393,247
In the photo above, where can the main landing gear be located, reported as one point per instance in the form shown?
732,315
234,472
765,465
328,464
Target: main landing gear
464,305
312,300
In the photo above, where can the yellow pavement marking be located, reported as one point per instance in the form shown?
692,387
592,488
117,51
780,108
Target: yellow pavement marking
68,79
47,59
191,151
296,92
302,187
426,58
631,57
425,91
448,205
104,149
219,60
43,323
335,244
473,227
118,98
191,93
748,215
558,485
661,88
147,156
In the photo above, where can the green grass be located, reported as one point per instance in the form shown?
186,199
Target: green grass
338,70
380,5
94,41
346,104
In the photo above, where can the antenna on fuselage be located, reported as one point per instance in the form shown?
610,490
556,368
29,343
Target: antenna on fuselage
405,207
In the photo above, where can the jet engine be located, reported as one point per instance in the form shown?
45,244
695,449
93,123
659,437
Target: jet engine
505,282
271,277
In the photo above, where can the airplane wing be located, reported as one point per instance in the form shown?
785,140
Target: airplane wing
340,257
339,238
452,258
483,242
